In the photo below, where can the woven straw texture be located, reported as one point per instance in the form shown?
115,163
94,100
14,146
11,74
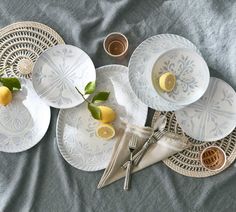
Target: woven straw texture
187,162
21,44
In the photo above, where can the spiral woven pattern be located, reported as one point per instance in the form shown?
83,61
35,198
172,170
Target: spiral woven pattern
187,162
21,44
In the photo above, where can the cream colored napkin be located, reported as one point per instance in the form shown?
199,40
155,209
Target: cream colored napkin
168,145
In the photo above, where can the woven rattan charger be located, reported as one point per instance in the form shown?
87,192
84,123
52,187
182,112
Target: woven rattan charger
21,44
187,162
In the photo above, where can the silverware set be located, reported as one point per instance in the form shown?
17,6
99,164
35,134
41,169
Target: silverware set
134,160
154,138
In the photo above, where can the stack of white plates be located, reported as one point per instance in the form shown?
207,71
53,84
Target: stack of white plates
168,53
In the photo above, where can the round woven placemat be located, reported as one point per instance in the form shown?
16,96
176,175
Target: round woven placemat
187,162
21,44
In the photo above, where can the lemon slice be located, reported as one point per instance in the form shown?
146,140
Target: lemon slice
167,81
105,131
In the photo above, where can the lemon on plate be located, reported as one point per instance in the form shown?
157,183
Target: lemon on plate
167,81
5,95
105,131
107,114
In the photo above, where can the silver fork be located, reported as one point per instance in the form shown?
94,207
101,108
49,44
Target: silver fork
132,146
138,156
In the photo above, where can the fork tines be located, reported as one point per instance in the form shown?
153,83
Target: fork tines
133,142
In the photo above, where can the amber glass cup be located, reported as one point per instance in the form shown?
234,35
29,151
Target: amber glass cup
213,158
116,44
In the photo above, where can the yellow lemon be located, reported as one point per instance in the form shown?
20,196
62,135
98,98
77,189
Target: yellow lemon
105,131
5,95
107,114
167,81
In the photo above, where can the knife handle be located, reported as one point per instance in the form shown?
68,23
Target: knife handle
127,176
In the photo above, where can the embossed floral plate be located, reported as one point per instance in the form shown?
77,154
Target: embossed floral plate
141,64
76,137
23,122
56,73
213,116
191,72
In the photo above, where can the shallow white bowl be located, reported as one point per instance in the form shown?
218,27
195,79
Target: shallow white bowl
191,71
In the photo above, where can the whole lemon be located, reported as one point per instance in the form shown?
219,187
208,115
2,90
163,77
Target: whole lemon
5,95
107,114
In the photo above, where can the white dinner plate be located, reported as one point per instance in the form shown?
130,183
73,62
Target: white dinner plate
141,65
24,121
76,137
56,73
213,116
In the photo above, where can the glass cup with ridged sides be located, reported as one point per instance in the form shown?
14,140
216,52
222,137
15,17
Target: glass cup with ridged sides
213,158
116,44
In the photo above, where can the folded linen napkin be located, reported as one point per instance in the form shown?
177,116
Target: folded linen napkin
168,145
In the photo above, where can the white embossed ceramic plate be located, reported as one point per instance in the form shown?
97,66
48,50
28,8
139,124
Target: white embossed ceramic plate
141,64
56,73
213,116
24,121
76,137
191,72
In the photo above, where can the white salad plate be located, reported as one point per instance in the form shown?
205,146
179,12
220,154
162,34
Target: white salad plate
56,73
24,121
191,72
76,137
141,64
213,116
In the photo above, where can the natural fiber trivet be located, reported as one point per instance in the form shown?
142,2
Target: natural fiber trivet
21,44
187,162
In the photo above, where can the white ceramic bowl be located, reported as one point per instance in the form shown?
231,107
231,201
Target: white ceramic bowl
191,71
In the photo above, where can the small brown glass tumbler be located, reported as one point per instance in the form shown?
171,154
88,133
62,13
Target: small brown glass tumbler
116,44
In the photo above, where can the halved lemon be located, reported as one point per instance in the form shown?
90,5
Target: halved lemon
105,131
167,81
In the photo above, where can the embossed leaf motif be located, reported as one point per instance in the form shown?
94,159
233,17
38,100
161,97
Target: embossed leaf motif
183,74
168,66
228,97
